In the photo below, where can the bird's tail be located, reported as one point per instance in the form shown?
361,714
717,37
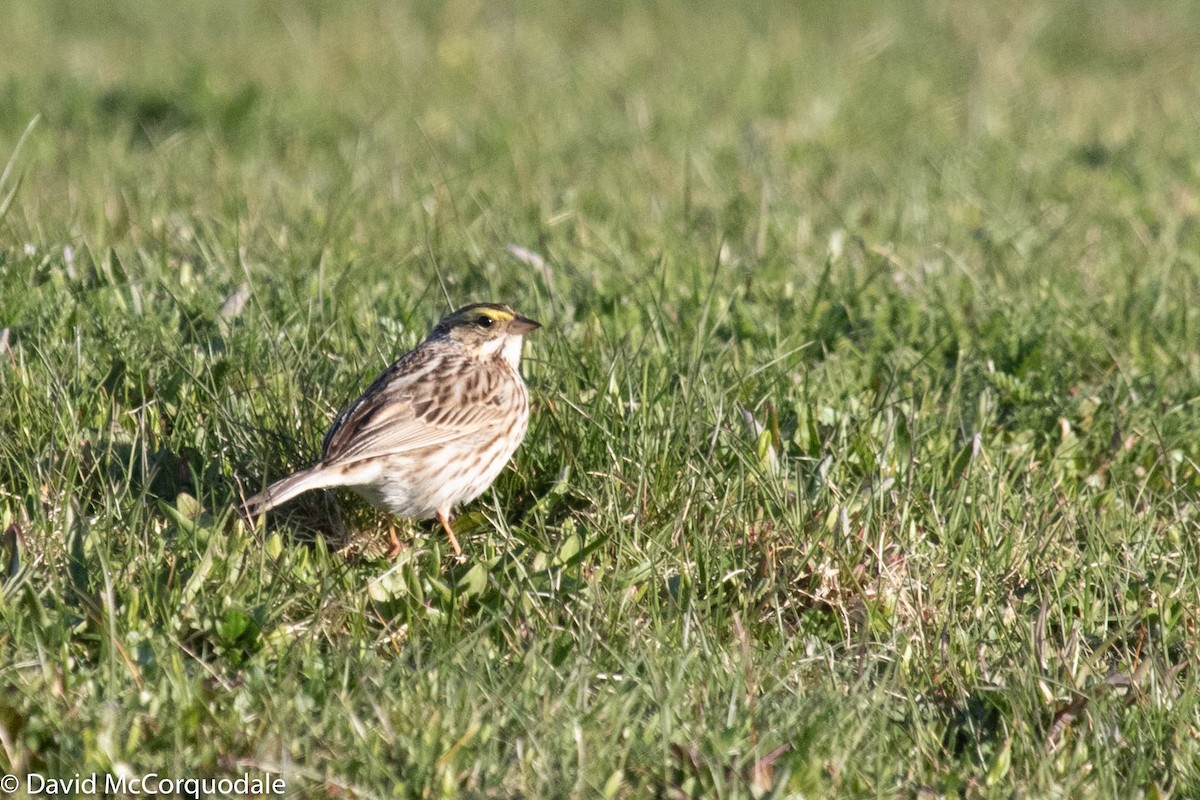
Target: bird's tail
316,477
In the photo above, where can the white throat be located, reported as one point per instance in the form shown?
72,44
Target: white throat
508,347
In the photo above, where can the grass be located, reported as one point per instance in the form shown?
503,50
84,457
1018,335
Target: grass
864,452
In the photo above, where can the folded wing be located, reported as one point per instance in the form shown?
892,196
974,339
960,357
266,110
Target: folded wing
411,411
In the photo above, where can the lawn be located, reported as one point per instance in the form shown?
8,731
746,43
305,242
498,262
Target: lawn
866,410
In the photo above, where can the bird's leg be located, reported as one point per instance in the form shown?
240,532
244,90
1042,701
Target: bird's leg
444,518
394,546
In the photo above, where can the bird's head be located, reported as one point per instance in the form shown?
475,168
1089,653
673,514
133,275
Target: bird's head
487,330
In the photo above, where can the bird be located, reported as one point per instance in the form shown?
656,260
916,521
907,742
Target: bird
434,429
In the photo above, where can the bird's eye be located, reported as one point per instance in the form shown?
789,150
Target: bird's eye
484,321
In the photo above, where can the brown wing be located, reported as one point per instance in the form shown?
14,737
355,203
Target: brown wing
409,408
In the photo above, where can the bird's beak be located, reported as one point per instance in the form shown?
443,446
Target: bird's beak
522,325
